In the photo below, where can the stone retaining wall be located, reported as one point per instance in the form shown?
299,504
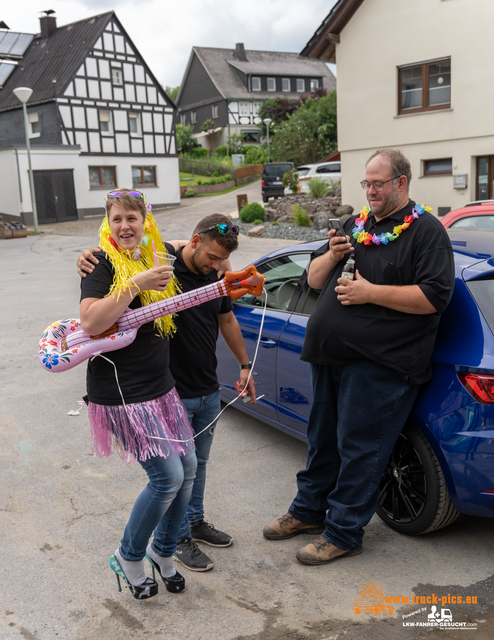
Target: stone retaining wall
280,209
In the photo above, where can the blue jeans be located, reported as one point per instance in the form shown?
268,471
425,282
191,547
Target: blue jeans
200,411
160,507
357,414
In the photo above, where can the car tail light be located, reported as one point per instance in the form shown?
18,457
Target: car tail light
262,183
480,386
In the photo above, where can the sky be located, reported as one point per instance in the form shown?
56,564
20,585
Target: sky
164,31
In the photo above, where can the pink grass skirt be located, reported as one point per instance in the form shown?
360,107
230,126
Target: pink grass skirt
142,430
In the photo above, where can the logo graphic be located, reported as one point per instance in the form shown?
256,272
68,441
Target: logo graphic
371,599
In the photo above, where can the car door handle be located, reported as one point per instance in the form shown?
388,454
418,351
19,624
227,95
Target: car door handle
266,342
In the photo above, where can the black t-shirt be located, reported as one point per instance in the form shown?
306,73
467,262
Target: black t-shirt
142,367
193,347
421,255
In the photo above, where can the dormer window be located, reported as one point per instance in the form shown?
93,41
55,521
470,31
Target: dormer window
256,84
271,84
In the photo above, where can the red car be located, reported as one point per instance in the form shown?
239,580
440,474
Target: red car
478,216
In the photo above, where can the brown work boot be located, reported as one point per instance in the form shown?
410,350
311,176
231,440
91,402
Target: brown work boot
321,552
287,526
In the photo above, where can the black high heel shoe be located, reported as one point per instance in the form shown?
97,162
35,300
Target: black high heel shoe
175,584
147,589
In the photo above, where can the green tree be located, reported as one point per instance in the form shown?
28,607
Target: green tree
172,92
209,126
309,133
185,141
236,142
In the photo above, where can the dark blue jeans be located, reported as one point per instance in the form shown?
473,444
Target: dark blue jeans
357,414
201,412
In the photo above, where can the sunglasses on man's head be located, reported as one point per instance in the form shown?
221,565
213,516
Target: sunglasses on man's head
222,228
120,192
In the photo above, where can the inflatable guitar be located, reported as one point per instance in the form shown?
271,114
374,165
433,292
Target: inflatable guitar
64,344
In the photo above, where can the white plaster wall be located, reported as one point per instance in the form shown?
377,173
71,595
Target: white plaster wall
385,34
10,201
167,190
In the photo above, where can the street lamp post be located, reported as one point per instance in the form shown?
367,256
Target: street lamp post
23,94
267,122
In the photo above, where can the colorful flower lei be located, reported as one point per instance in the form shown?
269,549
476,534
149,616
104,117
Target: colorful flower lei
362,236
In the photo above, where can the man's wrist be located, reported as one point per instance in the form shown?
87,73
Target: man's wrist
248,365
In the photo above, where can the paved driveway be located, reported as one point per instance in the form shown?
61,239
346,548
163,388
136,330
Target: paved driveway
62,512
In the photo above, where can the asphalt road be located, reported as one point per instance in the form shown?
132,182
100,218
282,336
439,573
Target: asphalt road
62,511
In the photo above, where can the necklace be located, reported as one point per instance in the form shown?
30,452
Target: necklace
362,236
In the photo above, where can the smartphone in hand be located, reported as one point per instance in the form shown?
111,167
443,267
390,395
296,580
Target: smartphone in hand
335,223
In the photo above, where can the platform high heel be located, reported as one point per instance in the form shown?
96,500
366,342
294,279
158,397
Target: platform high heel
175,584
147,589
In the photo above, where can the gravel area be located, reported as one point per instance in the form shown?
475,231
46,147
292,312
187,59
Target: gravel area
283,230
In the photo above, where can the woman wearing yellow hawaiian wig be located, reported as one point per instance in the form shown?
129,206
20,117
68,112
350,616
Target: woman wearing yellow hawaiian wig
133,405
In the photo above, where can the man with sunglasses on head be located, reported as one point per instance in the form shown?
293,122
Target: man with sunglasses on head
193,364
369,342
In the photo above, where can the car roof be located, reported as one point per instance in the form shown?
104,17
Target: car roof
469,247
468,211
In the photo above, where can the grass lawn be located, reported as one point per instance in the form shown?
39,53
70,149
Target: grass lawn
189,180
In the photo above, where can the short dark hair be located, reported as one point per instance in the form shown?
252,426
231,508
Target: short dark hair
398,163
228,240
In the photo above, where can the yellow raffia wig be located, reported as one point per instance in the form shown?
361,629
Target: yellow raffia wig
126,266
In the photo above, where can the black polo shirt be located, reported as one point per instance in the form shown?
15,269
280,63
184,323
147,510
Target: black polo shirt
193,347
421,255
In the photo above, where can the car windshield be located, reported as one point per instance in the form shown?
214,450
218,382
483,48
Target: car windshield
282,276
483,294
276,169
479,223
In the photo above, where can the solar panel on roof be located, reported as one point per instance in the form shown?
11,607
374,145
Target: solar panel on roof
22,43
14,44
5,71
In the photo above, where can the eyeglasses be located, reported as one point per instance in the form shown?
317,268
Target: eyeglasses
378,184
119,192
222,228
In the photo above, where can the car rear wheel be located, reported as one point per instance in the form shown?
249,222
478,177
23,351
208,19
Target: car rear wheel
413,497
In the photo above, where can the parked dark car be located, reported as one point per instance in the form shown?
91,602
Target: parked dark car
443,462
272,175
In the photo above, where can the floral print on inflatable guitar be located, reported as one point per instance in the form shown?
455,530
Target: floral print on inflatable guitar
64,344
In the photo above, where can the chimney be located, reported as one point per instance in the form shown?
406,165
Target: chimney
239,53
48,25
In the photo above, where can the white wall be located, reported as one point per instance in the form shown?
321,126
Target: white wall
385,34
167,190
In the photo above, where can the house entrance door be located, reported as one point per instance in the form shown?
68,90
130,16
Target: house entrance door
485,178
55,195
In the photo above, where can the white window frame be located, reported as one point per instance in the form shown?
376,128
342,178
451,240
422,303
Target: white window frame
300,89
284,82
34,124
255,108
104,116
183,118
136,117
257,81
193,117
314,84
117,77
215,110
243,109
271,84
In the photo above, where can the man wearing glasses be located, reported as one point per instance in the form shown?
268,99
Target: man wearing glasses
369,342
193,364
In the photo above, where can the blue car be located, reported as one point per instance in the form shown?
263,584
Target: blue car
443,462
